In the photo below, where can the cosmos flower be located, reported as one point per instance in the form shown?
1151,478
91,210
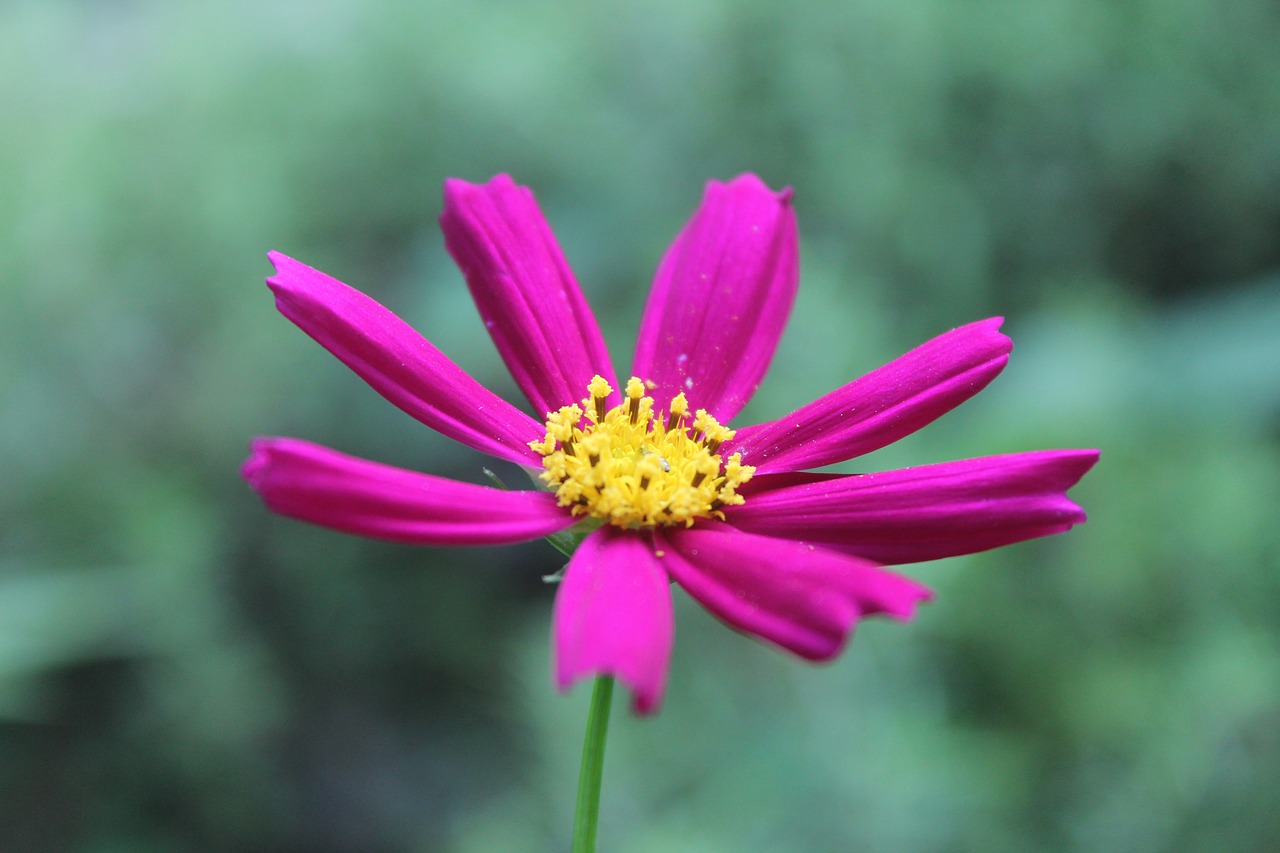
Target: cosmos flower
645,474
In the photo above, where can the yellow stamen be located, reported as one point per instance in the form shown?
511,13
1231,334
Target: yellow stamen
679,408
629,467
635,396
599,391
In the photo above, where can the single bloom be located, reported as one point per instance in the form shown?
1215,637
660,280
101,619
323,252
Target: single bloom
645,474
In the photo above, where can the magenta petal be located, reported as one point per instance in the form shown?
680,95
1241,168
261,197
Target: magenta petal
802,598
313,483
721,297
400,364
929,512
883,406
613,616
527,295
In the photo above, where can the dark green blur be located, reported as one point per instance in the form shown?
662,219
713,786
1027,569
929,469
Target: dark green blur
182,671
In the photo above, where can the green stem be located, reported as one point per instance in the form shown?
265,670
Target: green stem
588,813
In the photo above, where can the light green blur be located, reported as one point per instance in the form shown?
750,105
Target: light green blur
180,670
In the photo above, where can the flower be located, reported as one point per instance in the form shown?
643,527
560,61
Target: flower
790,557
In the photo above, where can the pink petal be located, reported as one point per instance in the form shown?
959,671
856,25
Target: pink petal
721,298
883,406
613,616
527,295
313,483
802,598
928,512
400,364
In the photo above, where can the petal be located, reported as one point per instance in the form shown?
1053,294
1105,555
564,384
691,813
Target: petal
313,483
613,616
527,295
928,512
721,298
400,364
802,598
883,406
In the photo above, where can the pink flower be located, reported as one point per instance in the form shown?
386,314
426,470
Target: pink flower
792,558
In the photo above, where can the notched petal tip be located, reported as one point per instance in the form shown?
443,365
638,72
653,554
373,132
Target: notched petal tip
646,694
264,455
252,468
748,195
1086,457
751,182
992,326
910,595
1074,465
980,336
285,268
296,286
460,191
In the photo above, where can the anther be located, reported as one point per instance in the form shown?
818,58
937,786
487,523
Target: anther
635,391
599,390
707,466
679,408
648,468
700,419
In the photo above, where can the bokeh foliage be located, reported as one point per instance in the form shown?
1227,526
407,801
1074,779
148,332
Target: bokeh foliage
181,671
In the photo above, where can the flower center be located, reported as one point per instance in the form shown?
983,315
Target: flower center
632,467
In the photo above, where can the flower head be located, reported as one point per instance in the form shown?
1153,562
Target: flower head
635,468
650,467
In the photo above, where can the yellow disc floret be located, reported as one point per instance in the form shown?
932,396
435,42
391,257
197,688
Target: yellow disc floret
633,467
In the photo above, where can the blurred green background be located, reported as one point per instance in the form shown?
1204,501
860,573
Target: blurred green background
180,670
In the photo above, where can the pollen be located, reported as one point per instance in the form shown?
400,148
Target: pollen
636,467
